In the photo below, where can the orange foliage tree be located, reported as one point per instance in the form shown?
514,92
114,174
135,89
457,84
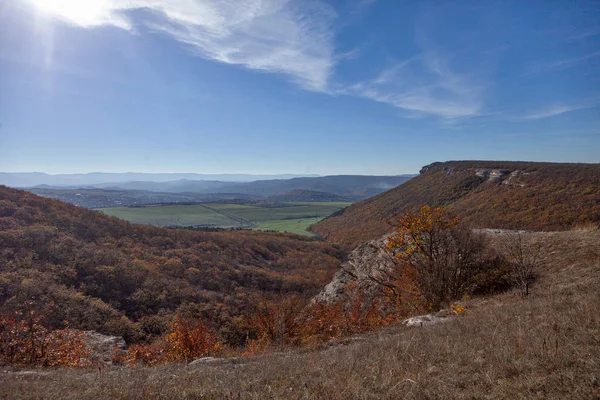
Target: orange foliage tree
442,255
188,339
191,339
276,323
292,321
326,322
25,341
401,296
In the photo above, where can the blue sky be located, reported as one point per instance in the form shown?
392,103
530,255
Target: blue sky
275,86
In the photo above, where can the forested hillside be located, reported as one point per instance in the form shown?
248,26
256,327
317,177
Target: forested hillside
485,194
98,272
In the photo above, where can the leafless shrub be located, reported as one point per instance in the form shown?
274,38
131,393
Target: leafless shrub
586,226
523,255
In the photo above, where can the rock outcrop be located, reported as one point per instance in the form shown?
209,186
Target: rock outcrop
492,174
424,320
102,345
204,360
366,262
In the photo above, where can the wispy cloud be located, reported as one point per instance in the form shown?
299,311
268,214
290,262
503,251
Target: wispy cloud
558,65
554,111
425,85
281,36
293,38
584,34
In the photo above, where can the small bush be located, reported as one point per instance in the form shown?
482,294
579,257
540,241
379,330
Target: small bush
25,341
187,340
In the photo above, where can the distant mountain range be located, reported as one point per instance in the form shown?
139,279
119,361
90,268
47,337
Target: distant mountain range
30,179
299,195
325,188
360,186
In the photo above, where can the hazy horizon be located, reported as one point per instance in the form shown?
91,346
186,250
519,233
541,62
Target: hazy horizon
194,173
279,173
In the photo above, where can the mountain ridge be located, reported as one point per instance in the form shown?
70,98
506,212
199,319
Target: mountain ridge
486,194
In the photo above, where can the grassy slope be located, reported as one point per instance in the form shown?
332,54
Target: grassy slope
553,197
546,346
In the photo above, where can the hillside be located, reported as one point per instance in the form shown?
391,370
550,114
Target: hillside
308,195
357,186
486,194
102,273
502,347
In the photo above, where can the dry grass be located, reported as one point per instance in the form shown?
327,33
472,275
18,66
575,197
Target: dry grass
586,226
547,346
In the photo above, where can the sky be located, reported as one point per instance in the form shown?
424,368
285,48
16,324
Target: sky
308,87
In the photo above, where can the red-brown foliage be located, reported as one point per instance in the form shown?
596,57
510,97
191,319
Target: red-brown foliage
188,340
531,196
120,278
24,340
293,322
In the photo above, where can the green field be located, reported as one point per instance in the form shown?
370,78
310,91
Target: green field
297,226
293,218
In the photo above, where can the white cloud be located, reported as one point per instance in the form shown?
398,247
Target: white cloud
289,37
281,36
425,85
554,111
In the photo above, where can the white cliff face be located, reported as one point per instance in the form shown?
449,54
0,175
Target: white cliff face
368,260
492,174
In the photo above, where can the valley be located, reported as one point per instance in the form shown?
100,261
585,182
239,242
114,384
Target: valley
331,188
220,298
267,216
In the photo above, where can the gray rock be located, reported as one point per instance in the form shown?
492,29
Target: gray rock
366,262
425,320
41,373
204,360
102,345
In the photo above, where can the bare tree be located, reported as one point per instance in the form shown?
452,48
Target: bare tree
523,254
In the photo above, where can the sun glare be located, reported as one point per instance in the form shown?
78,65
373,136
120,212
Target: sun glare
80,12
